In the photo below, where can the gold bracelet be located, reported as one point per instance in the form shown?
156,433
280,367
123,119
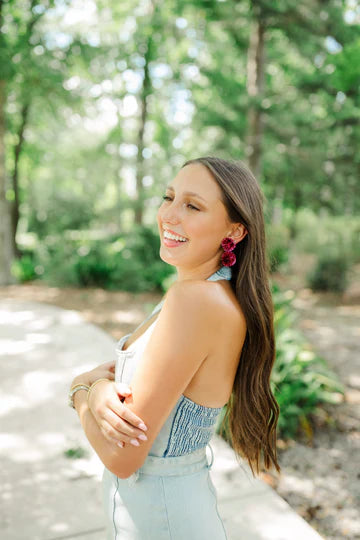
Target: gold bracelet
92,386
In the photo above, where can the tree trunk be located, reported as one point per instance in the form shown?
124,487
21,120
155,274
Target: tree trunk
255,89
146,89
15,214
6,252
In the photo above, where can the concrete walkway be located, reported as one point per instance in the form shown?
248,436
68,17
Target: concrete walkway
46,495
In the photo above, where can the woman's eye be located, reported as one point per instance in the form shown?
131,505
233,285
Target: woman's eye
166,198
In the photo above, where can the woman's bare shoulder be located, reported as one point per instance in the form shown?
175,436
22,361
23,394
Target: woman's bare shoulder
215,303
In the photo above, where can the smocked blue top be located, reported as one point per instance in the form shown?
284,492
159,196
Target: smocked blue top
190,425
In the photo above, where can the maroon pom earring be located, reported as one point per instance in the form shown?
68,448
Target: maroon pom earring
228,258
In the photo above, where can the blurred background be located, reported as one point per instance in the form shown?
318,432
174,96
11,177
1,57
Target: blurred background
100,105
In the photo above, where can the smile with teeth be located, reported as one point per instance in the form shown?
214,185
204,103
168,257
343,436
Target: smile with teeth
174,237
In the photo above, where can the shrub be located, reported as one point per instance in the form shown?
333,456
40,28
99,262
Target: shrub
278,237
24,268
301,380
137,266
129,262
330,273
316,233
59,212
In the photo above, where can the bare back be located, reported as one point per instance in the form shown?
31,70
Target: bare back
212,384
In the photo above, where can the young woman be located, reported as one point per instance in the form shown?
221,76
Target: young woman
211,346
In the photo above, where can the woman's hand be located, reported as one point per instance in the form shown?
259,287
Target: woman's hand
104,371
117,423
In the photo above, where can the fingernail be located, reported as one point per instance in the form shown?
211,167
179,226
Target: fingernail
142,426
121,444
143,437
135,442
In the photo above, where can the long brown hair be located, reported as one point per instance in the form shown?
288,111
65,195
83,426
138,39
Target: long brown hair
252,411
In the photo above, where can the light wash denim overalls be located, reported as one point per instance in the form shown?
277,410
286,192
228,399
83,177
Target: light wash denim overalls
171,497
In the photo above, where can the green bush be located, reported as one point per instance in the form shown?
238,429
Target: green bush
330,272
62,211
278,241
129,262
24,268
315,233
301,380
137,266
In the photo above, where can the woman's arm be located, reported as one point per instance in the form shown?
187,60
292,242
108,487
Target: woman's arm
179,344
107,451
115,421
104,371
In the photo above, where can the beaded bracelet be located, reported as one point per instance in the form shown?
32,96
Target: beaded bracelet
73,389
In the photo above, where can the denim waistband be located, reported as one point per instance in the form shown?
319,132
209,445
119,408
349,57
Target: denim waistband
174,466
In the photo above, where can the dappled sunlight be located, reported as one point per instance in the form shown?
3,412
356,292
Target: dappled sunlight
125,317
9,403
59,527
38,427
15,318
354,381
300,485
326,331
39,386
349,311
10,347
38,339
33,388
89,467
11,441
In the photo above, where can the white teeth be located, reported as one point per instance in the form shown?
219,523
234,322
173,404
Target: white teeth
174,237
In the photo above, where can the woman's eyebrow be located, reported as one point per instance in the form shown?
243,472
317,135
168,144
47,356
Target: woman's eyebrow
187,193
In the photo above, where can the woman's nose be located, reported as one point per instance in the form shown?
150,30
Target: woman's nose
171,214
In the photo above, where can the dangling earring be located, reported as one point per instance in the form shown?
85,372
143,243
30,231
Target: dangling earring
228,258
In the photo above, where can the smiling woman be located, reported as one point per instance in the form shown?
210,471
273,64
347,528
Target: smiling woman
210,346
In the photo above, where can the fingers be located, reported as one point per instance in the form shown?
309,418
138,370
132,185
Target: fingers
119,429
110,375
127,414
110,435
115,420
108,365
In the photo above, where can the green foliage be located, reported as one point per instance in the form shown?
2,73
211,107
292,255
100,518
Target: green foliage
314,233
64,210
77,452
330,272
301,380
130,262
24,268
278,244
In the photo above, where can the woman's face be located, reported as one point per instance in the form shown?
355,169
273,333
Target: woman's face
199,217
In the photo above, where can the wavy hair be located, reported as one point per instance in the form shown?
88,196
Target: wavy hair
252,412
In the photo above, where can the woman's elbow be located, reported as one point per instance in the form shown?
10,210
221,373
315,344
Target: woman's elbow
113,464
116,465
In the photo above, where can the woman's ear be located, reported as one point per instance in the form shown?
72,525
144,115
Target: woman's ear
239,233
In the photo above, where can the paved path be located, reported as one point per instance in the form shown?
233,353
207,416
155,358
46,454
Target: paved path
47,496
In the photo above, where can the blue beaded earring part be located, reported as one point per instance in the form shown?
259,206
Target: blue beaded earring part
224,272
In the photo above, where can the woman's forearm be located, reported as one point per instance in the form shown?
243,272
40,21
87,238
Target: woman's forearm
107,452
